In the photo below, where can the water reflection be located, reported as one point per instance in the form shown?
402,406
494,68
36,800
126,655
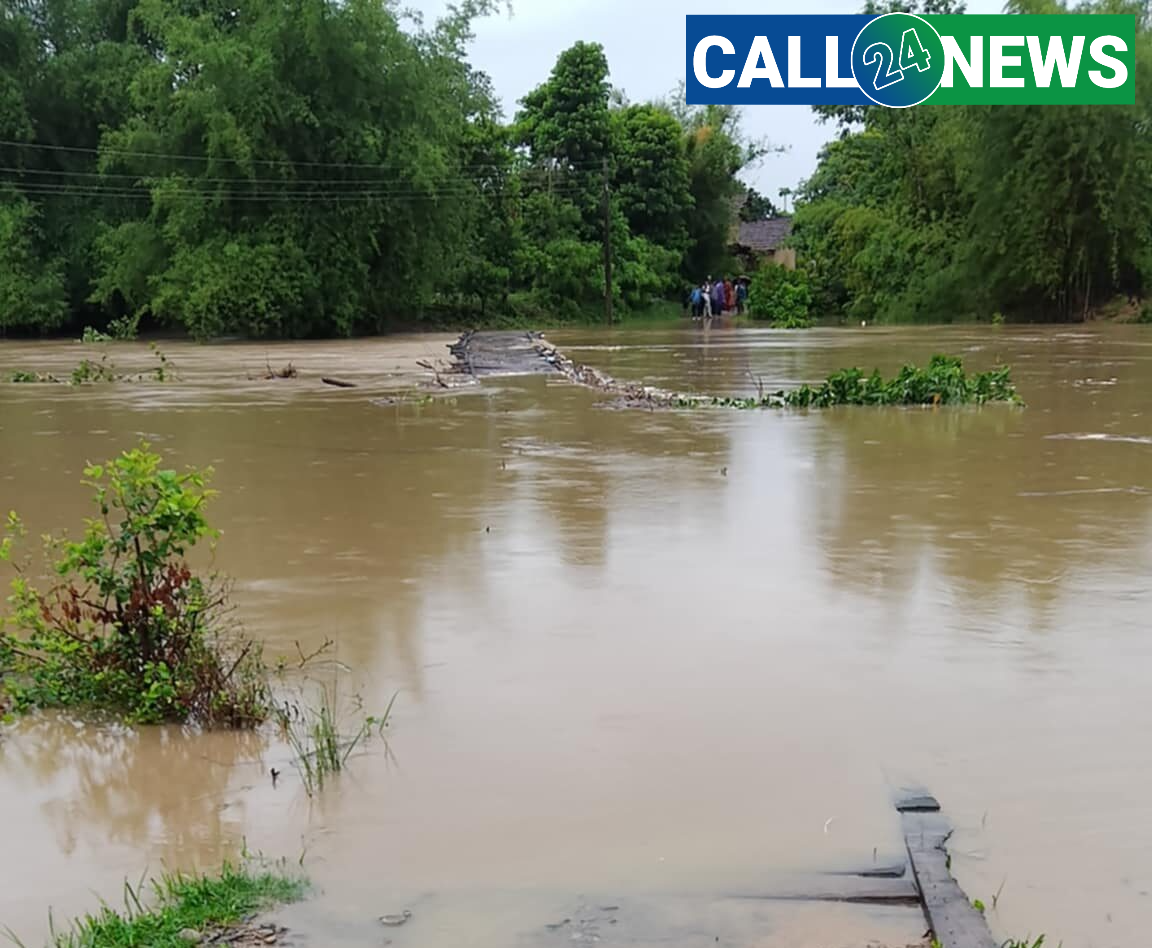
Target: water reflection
986,502
112,785
643,646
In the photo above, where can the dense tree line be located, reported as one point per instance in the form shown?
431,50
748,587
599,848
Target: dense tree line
302,167
941,212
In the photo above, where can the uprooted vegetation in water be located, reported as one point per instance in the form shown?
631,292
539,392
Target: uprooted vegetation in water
98,370
176,910
127,627
942,382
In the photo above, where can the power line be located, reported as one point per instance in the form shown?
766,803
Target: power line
102,176
298,197
271,162
382,193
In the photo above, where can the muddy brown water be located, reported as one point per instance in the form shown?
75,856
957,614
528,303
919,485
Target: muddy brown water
648,659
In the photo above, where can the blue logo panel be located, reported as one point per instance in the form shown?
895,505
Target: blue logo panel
773,60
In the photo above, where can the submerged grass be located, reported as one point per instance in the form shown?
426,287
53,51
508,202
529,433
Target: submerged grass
320,740
162,913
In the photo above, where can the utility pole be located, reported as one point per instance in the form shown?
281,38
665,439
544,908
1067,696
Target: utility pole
607,248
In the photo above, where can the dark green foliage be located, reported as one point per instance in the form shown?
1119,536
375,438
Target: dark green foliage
31,286
944,212
651,185
716,151
312,167
782,296
127,627
205,904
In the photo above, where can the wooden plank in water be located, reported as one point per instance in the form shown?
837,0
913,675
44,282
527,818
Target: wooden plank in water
893,871
861,890
954,920
917,803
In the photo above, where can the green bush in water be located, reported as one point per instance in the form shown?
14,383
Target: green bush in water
943,382
127,627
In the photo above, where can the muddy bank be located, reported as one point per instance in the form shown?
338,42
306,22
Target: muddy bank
634,920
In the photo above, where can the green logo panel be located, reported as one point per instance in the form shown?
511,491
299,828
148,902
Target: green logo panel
1037,59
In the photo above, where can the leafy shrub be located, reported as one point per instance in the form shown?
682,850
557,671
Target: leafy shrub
781,295
943,382
1145,314
128,627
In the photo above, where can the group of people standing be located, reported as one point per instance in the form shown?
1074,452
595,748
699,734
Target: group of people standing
715,298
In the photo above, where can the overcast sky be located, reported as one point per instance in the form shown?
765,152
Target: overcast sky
644,41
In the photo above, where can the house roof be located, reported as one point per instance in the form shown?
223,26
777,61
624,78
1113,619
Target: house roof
765,235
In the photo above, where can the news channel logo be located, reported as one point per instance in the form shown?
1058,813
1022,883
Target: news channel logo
899,60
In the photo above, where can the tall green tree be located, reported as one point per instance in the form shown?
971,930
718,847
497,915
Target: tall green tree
933,213
651,184
319,167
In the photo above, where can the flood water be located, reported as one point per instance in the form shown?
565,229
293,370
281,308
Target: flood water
638,654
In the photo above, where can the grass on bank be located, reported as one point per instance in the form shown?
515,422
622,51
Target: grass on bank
177,905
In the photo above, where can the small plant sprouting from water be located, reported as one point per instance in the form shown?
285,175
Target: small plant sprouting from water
1026,943
996,897
128,628
164,370
319,736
